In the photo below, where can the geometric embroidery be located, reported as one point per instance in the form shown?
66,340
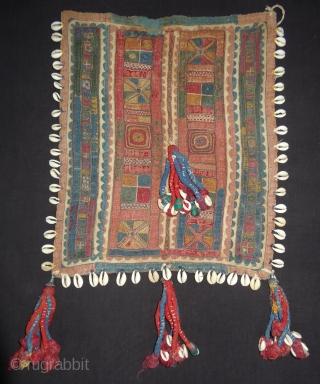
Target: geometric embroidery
133,234
199,236
138,137
201,142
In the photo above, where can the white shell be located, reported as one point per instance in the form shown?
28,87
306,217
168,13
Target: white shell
160,204
221,278
57,85
47,266
65,280
182,194
279,113
277,263
54,138
279,221
280,191
293,352
262,345
280,41
103,278
280,208
281,130
153,276
51,234
54,200
77,280
255,283
93,279
212,277
56,76
166,207
164,355
279,54
278,87
281,159
56,113
208,200
279,100
54,163
166,273
296,335
169,340
279,234
173,211
279,72
56,26
48,248
55,188
121,278
232,278
198,276
180,353
306,349
182,276
56,127
282,175
279,248
245,280
55,152
57,65
51,220
56,37
135,277
288,340
55,173
280,31
56,54
185,351
57,97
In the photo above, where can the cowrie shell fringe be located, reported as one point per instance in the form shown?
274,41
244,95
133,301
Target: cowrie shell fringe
135,277
56,26
153,276
212,277
198,276
182,276
221,278
255,283
277,263
279,248
103,278
93,279
279,221
51,220
232,278
121,278
166,273
65,280
55,152
77,280
50,234
47,266
48,248
245,280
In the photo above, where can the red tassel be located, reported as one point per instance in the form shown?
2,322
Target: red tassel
38,346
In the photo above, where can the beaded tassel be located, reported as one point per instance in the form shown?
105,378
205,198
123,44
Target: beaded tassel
38,346
283,340
168,350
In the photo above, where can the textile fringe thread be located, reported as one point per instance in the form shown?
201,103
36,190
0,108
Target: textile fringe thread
167,349
38,346
283,340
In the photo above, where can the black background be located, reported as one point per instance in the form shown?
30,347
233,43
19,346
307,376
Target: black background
112,327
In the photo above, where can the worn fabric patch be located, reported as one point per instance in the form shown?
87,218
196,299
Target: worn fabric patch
131,87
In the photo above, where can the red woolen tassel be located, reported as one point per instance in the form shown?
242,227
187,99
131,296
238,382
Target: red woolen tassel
38,346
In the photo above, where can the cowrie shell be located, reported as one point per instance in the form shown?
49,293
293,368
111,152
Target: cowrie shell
55,173
288,340
279,72
281,159
48,248
166,208
306,349
56,127
57,85
153,276
245,280
56,96
282,175
282,146
208,200
198,276
182,276
293,352
221,278
93,279
166,273
57,65
279,221
280,41
56,37
160,204
296,335
54,138
173,211
56,54
135,277
280,208
279,248
181,354
51,220
56,26
169,340
262,345
279,113
232,278
56,76
103,278
182,194
77,280
279,54
277,263
65,280
280,31
121,278
54,163
278,87
280,192
185,351
279,234
212,277
164,355
47,266
55,187
255,283
281,130
279,100
55,152
56,113
50,234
